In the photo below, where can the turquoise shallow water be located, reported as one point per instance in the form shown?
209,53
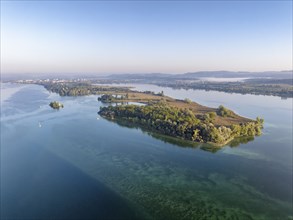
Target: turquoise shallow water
73,164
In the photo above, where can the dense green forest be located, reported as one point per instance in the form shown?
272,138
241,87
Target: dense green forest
180,141
80,89
183,123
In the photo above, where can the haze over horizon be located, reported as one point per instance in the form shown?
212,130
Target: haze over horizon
105,38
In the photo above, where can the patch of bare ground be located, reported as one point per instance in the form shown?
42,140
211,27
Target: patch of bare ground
196,108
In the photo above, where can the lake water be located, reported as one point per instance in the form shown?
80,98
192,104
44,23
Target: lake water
73,164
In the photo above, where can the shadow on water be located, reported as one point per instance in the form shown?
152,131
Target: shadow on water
234,143
180,142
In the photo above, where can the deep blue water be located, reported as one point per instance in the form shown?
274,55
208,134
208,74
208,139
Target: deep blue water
73,164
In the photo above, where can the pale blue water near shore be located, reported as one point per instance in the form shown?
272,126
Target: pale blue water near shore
74,164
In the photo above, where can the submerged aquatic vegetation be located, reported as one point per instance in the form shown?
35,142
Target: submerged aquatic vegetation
168,190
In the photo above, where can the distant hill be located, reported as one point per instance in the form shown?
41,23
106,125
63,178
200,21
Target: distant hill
217,74
140,76
229,74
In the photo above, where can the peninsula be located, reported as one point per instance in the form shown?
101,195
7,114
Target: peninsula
179,118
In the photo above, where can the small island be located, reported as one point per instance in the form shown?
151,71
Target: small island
56,105
180,118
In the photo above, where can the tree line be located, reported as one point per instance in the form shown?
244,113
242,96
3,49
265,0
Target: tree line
183,123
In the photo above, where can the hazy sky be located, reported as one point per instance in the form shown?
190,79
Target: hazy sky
137,36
